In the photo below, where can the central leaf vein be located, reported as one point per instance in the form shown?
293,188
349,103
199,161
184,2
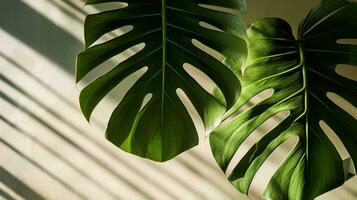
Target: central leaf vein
305,85
164,47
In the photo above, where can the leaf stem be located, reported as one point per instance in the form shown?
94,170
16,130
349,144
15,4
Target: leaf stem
305,85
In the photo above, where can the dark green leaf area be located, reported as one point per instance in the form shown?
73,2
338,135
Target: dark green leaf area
301,72
162,128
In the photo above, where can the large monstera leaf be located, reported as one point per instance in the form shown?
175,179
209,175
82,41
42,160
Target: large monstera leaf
163,127
301,72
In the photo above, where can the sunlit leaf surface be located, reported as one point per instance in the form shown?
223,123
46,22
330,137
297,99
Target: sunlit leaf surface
302,73
162,128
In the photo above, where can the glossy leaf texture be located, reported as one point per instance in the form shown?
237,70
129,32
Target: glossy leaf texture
301,72
162,128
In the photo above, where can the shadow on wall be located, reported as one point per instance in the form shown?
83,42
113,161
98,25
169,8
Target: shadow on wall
17,186
39,33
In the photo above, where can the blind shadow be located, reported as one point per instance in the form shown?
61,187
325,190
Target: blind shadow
70,124
68,140
79,148
44,36
45,147
17,186
5,195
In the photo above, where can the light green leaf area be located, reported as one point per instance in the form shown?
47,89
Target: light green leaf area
162,128
301,72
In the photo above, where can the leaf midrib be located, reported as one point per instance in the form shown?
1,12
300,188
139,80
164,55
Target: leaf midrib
305,86
164,47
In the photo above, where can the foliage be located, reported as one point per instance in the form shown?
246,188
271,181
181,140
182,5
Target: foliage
162,128
301,72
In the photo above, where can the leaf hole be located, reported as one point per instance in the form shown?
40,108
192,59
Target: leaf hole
108,6
212,52
343,104
347,71
347,41
258,98
210,26
255,136
202,79
220,8
106,107
193,113
340,147
109,65
345,192
113,34
146,100
270,166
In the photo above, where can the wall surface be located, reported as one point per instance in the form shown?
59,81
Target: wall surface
49,151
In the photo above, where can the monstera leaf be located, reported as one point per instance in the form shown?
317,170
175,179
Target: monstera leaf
301,72
163,128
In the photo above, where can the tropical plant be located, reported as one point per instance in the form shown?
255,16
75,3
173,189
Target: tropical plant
163,128
301,73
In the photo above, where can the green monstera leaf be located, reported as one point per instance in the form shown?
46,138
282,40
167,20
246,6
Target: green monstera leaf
163,128
301,72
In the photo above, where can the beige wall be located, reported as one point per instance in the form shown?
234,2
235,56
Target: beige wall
292,11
